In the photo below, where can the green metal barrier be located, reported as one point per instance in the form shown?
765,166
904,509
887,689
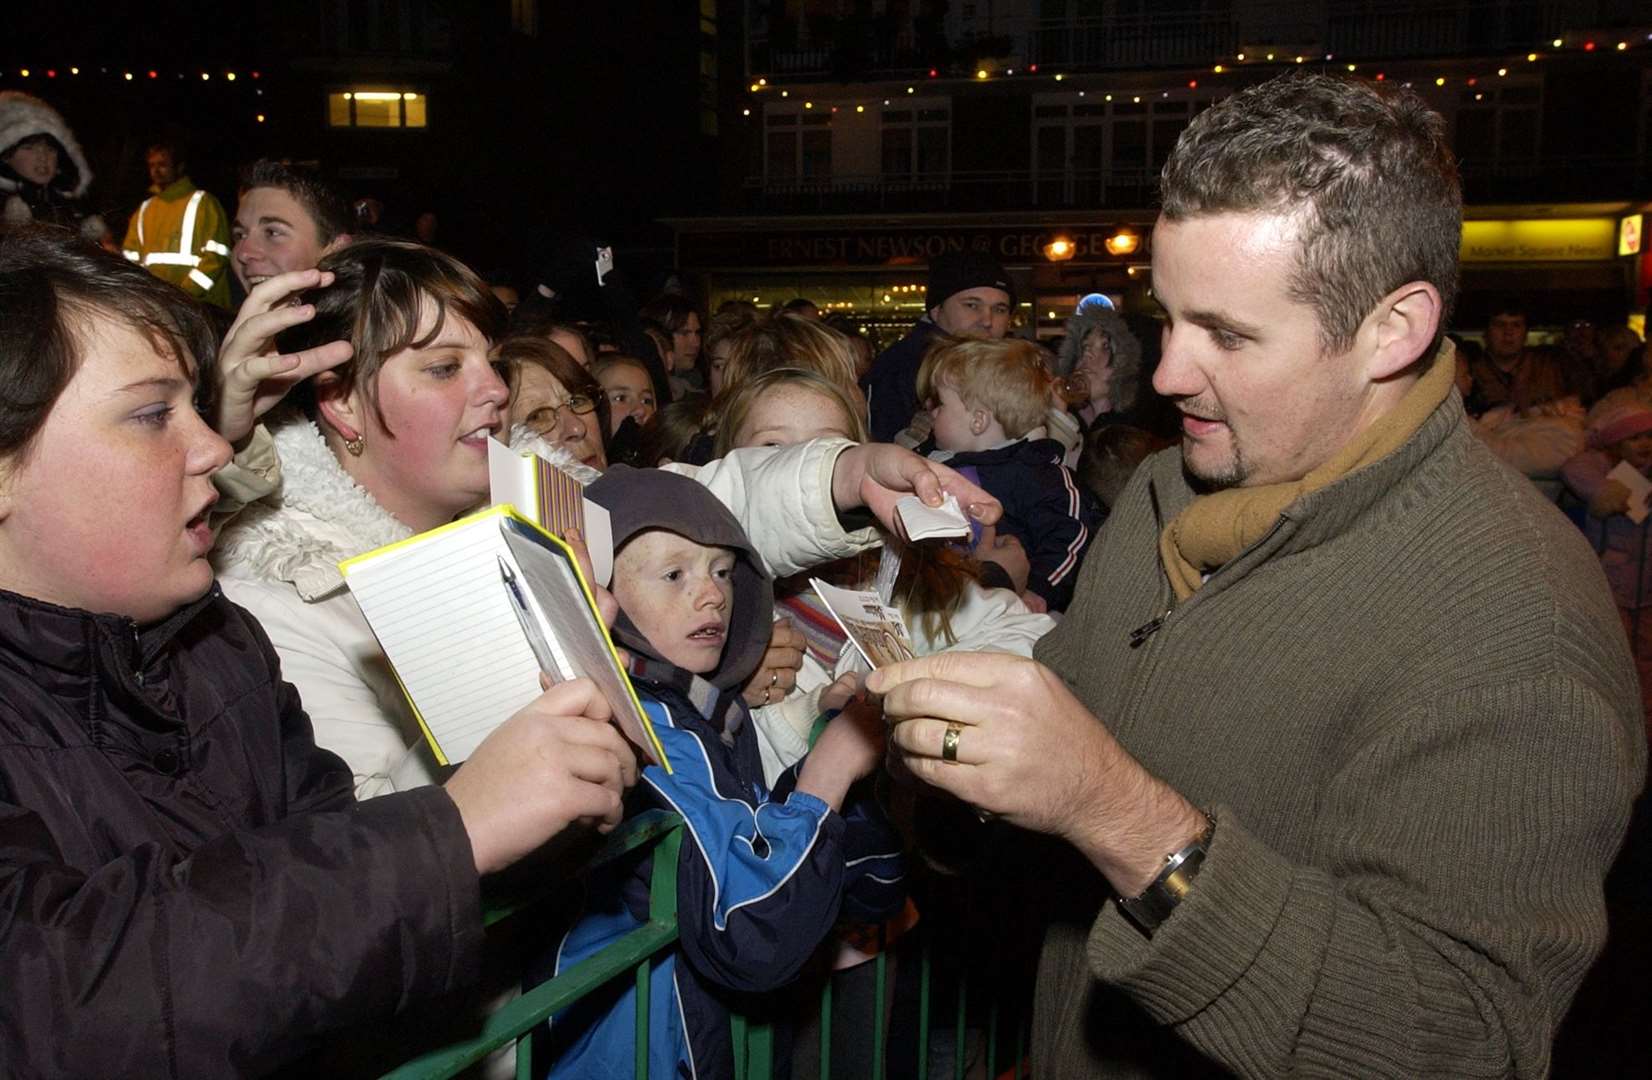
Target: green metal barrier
753,1042
633,951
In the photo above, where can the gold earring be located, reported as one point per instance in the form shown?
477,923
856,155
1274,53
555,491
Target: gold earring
355,446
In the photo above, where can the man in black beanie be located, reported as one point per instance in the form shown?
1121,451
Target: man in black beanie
968,296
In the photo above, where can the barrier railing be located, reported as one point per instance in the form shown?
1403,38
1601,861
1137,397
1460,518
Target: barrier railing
630,953
754,1040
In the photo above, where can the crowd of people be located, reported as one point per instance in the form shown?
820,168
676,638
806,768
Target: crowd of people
1321,719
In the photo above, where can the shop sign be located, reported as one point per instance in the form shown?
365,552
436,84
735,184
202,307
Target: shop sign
1540,240
890,247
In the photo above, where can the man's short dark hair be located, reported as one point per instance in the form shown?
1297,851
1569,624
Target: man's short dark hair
1368,170
172,147
326,207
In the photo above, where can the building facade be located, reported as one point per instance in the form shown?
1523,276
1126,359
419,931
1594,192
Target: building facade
872,133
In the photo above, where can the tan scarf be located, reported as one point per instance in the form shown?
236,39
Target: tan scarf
1214,528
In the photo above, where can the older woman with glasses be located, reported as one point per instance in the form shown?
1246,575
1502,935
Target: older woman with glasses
557,398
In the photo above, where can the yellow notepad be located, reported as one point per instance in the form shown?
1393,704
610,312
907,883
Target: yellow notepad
461,639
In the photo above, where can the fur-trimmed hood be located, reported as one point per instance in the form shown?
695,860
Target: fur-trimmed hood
24,115
1126,351
320,516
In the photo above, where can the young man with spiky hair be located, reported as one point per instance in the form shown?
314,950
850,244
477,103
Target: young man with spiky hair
286,220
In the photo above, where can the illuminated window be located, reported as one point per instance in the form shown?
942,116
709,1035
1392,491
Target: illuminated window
376,109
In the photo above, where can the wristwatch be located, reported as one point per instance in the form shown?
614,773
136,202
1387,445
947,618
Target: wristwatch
1174,882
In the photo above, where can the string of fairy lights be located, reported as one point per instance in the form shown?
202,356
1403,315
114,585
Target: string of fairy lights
139,76
1600,43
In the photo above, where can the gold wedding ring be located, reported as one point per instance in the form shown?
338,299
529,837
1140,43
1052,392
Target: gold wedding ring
774,677
949,742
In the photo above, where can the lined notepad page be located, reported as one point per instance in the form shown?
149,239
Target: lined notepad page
442,615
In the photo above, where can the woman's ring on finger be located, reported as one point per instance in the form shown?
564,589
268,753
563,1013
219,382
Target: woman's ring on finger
949,742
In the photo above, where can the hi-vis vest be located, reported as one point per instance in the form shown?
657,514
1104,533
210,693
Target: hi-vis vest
181,235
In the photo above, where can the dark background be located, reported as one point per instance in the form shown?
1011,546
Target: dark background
590,126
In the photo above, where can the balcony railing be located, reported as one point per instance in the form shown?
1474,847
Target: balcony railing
1570,178
1397,28
1354,28
1147,41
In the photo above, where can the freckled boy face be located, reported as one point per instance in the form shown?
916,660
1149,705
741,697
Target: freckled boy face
678,594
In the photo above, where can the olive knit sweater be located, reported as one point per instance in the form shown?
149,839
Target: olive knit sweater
1412,711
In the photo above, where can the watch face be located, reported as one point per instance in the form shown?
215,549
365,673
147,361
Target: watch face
1172,885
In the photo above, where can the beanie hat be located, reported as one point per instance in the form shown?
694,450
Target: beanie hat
1619,421
23,116
641,499
956,271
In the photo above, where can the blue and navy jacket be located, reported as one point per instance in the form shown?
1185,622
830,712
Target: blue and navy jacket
1045,508
761,878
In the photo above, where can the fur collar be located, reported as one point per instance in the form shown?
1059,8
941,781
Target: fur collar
318,518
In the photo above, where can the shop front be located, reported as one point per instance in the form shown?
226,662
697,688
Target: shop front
1558,263
873,270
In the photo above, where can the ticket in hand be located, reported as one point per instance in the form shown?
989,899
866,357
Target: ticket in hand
921,522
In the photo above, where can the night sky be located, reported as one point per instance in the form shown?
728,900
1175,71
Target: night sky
589,128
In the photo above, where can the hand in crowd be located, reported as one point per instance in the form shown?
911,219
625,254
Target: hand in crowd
253,375
777,674
839,693
851,747
1612,498
876,475
555,763
1028,751
1006,551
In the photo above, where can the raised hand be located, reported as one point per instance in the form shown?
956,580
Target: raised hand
253,375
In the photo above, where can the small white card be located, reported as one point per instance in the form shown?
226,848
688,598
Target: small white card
921,522
1639,488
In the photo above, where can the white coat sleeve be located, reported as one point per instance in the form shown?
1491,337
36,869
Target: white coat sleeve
783,499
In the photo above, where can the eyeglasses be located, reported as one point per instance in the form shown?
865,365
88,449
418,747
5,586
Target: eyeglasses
547,417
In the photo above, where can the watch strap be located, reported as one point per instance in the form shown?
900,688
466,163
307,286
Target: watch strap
1174,882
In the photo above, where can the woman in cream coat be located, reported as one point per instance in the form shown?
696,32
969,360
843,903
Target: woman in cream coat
394,443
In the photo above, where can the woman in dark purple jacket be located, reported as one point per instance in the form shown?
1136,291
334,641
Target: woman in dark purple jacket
187,886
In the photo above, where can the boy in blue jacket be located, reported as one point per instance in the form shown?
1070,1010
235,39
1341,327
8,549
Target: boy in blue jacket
988,401
762,875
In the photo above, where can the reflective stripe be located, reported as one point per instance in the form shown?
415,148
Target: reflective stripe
167,258
186,236
216,248
142,210
133,255
201,279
